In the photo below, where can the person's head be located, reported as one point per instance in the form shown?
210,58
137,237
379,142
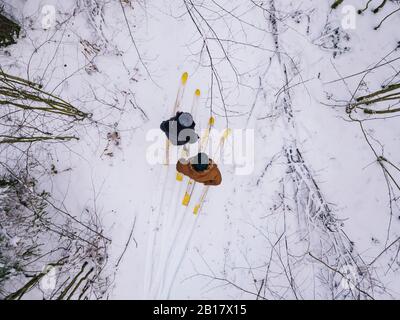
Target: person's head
185,119
200,162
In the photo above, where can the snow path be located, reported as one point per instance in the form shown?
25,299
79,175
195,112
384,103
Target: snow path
285,70
187,236
308,160
177,227
175,246
154,220
167,227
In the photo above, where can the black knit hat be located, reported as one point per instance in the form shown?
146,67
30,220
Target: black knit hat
200,162
185,119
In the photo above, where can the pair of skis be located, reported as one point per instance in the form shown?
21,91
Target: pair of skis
203,143
178,101
177,106
191,183
185,150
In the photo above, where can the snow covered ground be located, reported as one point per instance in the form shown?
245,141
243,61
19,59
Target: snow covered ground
317,217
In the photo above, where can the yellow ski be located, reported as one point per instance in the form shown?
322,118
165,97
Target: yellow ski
185,151
204,138
222,140
203,142
188,193
197,207
177,104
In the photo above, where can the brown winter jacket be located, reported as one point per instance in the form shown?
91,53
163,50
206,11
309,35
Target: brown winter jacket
210,177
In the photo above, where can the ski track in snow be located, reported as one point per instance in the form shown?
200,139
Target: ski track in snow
166,209
176,228
170,231
175,246
187,236
153,231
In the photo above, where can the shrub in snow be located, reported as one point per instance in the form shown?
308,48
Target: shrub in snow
9,31
44,250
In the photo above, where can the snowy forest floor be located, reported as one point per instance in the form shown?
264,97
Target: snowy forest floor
317,216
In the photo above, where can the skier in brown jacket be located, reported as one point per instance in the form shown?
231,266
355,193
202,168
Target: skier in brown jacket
201,169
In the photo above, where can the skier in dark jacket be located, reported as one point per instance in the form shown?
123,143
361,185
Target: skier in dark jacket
201,169
180,129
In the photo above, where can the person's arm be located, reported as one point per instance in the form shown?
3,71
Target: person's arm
182,167
218,177
215,177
